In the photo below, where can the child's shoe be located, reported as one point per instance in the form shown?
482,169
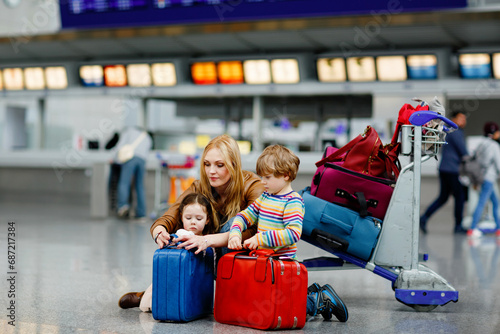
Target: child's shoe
313,290
474,233
333,304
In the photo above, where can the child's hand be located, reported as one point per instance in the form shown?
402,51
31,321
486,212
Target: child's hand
234,243
251,243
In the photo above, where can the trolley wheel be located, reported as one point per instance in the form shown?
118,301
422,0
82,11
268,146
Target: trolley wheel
423,308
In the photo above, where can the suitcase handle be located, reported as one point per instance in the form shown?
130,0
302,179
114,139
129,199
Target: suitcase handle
359,198
262,252
261,256
329,241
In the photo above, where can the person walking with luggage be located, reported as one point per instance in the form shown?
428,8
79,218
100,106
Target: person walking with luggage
197,218
279,213
449,182
489,160
229,190
136,143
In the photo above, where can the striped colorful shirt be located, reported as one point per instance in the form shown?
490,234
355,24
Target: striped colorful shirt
279,220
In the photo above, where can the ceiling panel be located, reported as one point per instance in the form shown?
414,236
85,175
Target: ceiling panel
476,33
13,52
157,45
421,36
278,40
103,48
215,43
50,49
341,39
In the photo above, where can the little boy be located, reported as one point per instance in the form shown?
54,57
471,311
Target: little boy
279,213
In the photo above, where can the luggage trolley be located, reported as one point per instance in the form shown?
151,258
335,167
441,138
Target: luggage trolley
396,255
178,167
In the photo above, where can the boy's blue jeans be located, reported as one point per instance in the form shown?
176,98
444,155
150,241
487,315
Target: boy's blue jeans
311,300
487,193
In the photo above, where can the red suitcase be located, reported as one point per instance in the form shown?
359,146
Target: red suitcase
261,291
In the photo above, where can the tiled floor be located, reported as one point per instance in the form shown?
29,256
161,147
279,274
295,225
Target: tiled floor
71,270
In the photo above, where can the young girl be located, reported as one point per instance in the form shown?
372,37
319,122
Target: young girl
196,214
197,218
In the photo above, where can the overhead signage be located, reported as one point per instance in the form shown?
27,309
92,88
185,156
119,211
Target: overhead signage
126,13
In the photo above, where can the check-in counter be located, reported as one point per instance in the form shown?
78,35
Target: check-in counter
85,174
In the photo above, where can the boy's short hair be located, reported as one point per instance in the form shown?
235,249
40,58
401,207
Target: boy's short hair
278,160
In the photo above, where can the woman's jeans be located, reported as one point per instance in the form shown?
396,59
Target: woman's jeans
487,193
135,169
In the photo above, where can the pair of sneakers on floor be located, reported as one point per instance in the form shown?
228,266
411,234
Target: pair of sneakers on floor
477,233
328,303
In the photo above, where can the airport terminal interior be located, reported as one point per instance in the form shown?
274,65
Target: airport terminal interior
304,74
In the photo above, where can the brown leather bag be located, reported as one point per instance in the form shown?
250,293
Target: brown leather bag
367,155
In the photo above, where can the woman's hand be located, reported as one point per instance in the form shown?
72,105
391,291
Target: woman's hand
199,242
162,236
234,243
251,243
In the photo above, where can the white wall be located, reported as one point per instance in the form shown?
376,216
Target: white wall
29,18
72,121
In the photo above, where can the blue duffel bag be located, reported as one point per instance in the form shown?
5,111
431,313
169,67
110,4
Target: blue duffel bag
360,234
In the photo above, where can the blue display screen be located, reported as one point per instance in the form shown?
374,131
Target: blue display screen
123,13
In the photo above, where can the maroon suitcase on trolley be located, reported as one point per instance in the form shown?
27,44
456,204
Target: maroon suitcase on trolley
261,291
366,194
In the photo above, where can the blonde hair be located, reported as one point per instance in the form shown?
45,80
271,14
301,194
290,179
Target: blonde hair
279,161
230,152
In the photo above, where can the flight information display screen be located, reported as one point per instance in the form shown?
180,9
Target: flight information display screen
123,13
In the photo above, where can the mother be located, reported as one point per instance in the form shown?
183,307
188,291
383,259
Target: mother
229,189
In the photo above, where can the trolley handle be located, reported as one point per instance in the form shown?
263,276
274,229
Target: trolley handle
421,117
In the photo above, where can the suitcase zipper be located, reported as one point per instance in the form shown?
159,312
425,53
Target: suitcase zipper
364,176
272,269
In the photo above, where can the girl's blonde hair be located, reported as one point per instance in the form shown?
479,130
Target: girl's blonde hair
197,198
230,152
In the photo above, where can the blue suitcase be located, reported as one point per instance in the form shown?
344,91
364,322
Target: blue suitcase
355,234
183,284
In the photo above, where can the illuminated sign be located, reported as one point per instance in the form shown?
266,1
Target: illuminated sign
285,71
257,72
13,78
115,76
496,65
163,74
391,68
361,69
331,69
34,78
475,65
139,75
92,75
56,77
204,73
422,66
230,72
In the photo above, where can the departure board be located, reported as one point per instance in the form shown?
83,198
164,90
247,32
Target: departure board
125,13
89,6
